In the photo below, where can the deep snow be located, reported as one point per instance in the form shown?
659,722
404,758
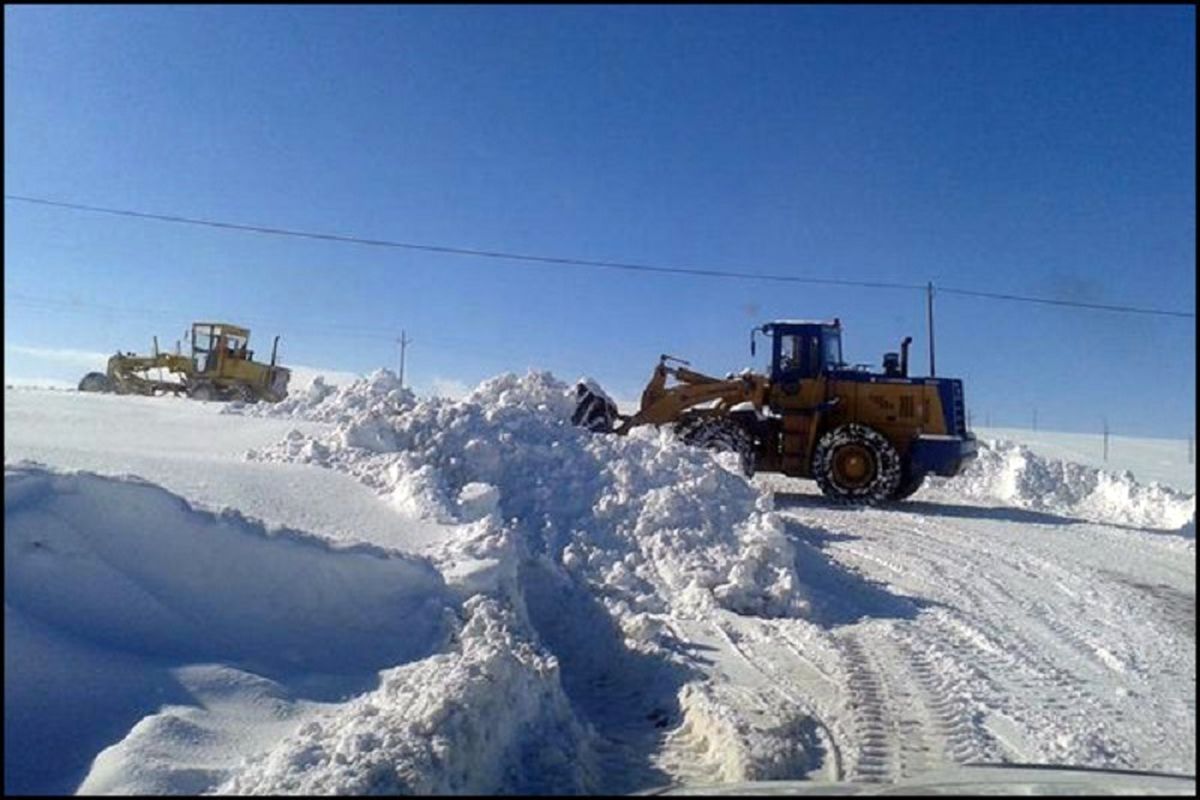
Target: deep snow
426,595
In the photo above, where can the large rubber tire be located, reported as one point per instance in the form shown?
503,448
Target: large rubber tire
95,382
856,465
721,434
244,393
910,482
203,391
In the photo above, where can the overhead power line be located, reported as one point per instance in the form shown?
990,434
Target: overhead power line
629,266
463,251
1048,301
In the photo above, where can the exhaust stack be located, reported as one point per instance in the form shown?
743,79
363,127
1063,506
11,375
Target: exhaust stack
904,356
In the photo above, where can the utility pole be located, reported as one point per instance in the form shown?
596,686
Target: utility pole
929,308
1106,438
402,343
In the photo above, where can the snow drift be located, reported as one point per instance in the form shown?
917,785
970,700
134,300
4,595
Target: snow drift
112,585
1014,475
651,524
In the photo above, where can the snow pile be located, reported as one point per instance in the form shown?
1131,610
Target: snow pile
128,565
378,393
114,588
652,525
1013,474
488,718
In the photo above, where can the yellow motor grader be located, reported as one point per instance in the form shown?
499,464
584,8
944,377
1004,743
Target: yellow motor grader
864,437
221,367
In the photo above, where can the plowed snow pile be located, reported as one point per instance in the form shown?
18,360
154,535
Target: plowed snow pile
380,392
1014,475
651,524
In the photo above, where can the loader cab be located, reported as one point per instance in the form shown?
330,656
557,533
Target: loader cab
803,350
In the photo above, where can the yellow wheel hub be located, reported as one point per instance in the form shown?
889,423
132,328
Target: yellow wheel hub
853,466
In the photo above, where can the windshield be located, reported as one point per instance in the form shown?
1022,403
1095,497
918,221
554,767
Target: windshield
378,415
831,348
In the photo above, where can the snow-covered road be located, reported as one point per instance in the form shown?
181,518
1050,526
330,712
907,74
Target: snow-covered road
621,613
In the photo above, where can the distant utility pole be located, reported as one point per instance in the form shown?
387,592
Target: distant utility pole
1106,438
402,344
969,418
929,309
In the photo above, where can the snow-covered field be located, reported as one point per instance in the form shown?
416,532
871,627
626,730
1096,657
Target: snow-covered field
359,590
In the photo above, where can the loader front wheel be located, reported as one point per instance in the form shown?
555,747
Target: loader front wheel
95,382
723,435
856,465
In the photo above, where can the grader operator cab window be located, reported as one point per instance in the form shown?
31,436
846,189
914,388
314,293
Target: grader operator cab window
204,343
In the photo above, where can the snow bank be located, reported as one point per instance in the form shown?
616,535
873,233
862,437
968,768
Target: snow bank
111,585
1013,474
379,392
651,524
129,566
488,718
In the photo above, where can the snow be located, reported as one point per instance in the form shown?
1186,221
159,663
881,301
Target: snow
361,590
1014,475
1163,461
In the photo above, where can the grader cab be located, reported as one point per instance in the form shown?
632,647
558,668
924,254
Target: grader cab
221,367
865,437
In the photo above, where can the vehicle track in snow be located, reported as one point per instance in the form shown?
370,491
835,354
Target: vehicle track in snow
1034,634
907,716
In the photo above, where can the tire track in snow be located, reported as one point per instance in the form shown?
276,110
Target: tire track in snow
778,677
1042,641
906,717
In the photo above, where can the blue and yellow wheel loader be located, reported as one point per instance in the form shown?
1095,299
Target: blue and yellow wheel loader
865,437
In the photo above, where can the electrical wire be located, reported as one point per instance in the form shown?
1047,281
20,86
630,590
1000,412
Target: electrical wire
628,266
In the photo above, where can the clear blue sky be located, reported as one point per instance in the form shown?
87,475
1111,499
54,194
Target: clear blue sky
1041,150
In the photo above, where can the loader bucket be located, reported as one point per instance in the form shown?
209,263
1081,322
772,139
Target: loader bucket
594,409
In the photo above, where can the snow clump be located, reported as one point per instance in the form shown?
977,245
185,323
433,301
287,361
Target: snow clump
456,723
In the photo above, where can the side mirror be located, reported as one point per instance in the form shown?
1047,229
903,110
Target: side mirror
753,331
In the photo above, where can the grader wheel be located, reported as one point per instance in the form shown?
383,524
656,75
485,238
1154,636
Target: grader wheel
95,382
203,391
244,393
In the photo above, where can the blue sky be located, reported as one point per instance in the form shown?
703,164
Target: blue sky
1032,150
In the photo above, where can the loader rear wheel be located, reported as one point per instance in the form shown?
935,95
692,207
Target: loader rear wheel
721,434
910,482
856,465
95,382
